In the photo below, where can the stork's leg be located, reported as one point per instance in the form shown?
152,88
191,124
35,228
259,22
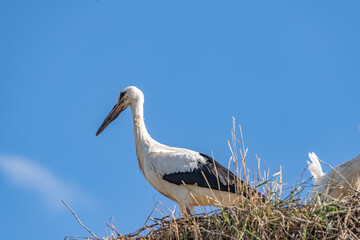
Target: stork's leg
189,210
186,210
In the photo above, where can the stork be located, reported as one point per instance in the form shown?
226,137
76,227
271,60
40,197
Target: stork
338,182
187,177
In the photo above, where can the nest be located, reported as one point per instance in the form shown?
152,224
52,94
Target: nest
287,219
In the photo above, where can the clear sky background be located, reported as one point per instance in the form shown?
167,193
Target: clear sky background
288,71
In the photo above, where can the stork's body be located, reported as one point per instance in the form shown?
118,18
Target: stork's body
338,182
185,176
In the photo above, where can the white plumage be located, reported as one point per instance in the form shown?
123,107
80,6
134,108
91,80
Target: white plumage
177,173
164,160
338,182
315,166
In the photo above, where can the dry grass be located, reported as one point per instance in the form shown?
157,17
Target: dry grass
279,217
283,220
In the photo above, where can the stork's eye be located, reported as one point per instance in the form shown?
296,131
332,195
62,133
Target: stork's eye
122,95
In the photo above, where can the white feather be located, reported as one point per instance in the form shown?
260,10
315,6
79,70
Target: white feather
178,160
314,166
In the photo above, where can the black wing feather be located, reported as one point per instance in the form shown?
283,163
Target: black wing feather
210,170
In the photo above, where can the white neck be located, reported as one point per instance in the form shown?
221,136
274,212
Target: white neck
143,141
140,131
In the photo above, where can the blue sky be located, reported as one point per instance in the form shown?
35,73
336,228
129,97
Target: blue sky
287,71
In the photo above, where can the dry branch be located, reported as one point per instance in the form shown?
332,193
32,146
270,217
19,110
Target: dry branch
76,217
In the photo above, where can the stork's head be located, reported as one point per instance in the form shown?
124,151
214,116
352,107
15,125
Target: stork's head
128,96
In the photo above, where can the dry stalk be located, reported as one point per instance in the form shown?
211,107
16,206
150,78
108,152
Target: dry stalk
76,217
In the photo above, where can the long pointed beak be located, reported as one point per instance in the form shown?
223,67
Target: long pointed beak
115,112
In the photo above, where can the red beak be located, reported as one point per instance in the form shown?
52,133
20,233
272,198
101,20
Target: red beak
115,112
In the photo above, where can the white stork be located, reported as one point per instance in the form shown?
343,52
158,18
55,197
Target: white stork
187,177
338,181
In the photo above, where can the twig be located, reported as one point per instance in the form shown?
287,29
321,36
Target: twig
114,229
79,220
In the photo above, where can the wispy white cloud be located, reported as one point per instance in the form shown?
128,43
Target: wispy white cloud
23,172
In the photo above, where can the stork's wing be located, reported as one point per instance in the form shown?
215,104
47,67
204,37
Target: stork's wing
173,160
207,174
183,166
